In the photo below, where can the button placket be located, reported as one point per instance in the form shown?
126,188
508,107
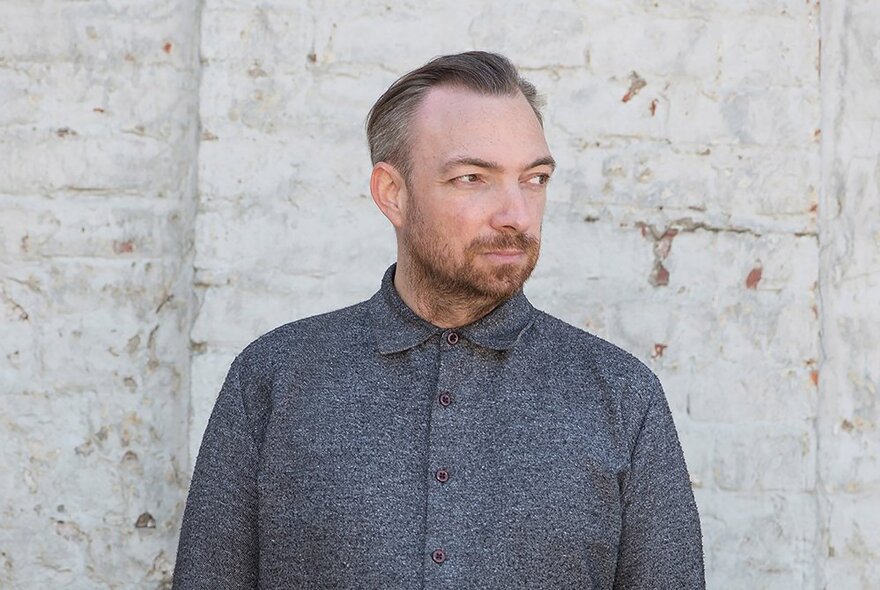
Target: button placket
444,443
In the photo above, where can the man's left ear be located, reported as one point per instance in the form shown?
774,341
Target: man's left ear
389,192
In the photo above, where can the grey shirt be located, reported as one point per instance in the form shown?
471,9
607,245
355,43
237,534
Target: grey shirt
368,448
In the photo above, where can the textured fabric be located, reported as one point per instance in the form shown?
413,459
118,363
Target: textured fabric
346,449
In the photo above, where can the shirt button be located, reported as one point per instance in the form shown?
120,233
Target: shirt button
442,475
438,555
445,399
452,338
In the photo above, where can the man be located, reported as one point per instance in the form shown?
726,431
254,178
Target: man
444,433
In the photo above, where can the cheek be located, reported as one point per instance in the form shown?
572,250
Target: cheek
452,219
458,222
538,216
471,225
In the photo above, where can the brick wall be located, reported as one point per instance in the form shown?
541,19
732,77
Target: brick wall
98,145
848,417
715,212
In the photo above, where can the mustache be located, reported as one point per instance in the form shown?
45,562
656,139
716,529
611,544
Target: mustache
519,241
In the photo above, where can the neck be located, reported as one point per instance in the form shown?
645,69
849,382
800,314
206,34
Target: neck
437,304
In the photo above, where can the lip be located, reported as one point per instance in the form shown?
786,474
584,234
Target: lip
505,253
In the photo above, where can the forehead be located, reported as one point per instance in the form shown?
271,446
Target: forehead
455,120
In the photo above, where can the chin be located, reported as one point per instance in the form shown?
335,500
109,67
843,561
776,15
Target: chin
504,281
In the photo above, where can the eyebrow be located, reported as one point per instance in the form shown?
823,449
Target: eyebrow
494,166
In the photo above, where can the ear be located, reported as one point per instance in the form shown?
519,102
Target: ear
389,192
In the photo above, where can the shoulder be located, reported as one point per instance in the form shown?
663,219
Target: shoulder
625,390
325,329
289,354
602,361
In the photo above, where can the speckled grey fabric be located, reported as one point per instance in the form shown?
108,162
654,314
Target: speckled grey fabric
367,448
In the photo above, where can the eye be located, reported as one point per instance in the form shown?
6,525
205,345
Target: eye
467,179
539,179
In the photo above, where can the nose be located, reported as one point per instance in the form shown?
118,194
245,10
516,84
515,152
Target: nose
512,210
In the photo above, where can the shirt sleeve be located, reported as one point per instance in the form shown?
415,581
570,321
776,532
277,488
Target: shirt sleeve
219,546
661,542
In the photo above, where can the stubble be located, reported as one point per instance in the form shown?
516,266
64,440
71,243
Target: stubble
445,282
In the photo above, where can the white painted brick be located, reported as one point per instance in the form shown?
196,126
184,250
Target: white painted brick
724,187
85,32
231,167
848,419
313,109
230,318
852,456
62,100
403,33
86,226
534,35
766,458
573,279
277,236
97,140
84,459
698,443
725,259
264,33
768,51
49,163
702,8
100,358
738,392
656,48
775,116
597,111
852,540
758,540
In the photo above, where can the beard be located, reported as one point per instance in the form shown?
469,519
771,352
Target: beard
468,280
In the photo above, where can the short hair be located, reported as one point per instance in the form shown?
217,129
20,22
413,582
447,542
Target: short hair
482,72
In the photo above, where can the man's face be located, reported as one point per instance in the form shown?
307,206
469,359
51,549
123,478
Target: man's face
472,220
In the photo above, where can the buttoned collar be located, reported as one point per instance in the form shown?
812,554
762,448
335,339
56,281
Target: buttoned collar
398,328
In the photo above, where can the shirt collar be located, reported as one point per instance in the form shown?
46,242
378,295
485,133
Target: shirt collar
398,328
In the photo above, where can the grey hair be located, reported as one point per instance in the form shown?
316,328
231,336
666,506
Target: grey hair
479,71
